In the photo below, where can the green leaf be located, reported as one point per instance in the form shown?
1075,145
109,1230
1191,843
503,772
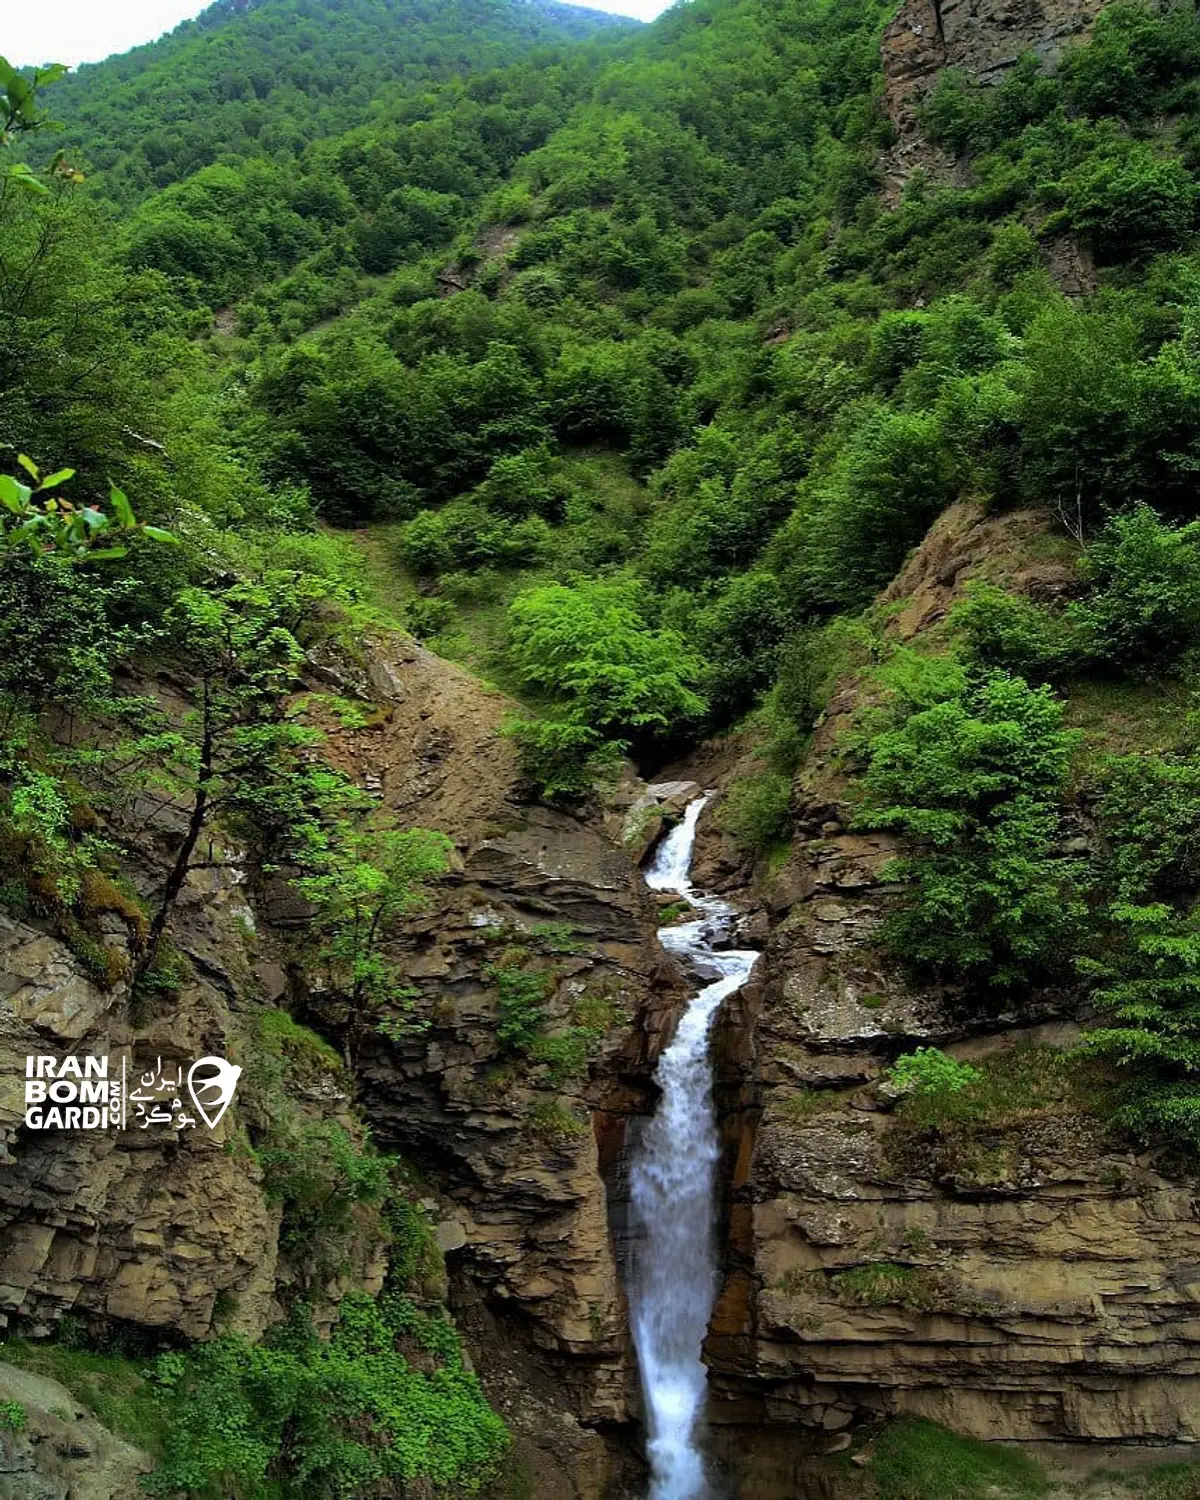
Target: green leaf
102,554
28,465
121,506
60,478
157,534
25,177
14,496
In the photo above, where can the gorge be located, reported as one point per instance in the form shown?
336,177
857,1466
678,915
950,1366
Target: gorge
673,1280
611,615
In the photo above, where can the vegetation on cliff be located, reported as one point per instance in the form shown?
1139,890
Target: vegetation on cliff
642,389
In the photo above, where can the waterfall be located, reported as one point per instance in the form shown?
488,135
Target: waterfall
673,1279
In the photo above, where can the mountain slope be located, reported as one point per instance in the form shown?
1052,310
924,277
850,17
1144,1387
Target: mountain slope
263,77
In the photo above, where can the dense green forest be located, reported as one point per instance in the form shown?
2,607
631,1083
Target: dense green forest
602,364
247,79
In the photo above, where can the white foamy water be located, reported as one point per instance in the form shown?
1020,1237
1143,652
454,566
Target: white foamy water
673,1281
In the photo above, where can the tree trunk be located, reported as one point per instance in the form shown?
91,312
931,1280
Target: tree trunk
183,858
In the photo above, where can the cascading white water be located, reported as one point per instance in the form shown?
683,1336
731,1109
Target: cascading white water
673,1280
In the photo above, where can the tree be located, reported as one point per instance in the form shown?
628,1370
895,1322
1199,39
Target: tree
35,520
238,754
371,879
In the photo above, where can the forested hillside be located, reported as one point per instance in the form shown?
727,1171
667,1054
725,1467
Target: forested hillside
265,78
619,369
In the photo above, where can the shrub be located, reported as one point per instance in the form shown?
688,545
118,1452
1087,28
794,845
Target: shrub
739,634
1004,630
521,995
319,1173
1138,202
1142,611
854,524
974,781
336,1420
1149,985
1148,810
929,1073
757,812
615,678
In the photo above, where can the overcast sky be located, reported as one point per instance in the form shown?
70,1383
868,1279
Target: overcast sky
75,31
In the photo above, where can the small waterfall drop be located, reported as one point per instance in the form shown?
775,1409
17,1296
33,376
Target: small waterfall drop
673,1280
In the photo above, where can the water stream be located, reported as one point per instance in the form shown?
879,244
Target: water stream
673,1277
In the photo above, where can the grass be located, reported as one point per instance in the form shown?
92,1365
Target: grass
286,1038
916,1460
1166,1482
1118,718
112,1388
883,1284
799,1105
1014,1085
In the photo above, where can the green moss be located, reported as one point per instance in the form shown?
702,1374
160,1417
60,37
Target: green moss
285,1038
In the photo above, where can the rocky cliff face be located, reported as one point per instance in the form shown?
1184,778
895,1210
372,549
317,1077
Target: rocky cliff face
1028,1277
521,1155
981,38
168,1233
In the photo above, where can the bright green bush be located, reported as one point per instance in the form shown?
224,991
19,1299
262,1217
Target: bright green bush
757,812
344,1419
614,678
854,525
1146,971
1004,630
929,1073
974,782
1142,611
1136,202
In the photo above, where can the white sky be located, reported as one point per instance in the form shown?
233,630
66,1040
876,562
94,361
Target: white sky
75,31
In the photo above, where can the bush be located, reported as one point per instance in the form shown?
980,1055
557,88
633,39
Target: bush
757,812
1139,202
854,525
319,1173
974,780
521,996
1147,971
1004,630
615,678
929,1073
738,633
1142,612
337,1420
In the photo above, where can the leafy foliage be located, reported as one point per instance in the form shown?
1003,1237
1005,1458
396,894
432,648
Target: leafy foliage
976,777
616,678
347,1417
929,1073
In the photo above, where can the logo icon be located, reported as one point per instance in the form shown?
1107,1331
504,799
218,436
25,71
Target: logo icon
211,1082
